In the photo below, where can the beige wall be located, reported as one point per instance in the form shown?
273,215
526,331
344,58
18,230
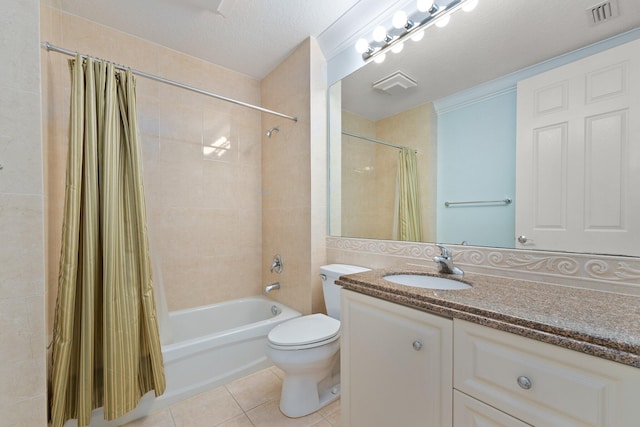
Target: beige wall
413,128
203,204
294,177
369,171
22,292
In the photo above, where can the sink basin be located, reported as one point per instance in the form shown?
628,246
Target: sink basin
427,282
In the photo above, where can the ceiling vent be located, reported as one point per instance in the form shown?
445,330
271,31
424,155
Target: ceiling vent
395,84
602,12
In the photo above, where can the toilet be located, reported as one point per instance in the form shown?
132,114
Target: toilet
307,349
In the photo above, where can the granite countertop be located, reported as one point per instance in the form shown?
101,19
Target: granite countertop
602,324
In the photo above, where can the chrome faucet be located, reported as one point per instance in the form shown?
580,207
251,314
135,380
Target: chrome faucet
276,264
271,287
445,262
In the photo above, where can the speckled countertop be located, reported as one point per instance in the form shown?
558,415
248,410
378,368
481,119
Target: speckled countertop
599,323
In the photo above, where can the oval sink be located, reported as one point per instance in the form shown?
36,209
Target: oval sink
427,282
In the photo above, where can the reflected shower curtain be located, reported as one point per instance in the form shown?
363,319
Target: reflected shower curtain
408,225
106,349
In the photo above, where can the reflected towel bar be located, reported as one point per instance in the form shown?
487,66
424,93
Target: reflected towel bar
506,201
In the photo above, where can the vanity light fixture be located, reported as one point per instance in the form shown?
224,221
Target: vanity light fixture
404,27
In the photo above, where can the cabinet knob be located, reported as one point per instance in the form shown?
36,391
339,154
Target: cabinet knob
417,345
524,382
522,239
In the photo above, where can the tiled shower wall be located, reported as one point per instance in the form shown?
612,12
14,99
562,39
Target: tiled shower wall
22,292
369,171
202,162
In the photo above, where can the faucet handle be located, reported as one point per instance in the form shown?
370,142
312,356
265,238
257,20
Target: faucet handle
444,251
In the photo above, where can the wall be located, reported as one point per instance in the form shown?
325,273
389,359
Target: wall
415,128
369,171
203,202
294,177
477,162
22,292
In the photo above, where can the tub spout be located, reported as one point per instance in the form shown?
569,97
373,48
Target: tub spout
271,287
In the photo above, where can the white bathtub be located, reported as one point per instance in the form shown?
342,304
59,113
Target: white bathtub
212,345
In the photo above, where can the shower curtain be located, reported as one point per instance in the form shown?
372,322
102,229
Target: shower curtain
106,348
408,225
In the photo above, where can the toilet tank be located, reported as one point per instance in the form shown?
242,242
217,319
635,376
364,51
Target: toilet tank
329,274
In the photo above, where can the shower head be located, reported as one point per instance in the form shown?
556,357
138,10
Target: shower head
272,130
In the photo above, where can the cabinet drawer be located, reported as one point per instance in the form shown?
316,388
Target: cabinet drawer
542,384
468,411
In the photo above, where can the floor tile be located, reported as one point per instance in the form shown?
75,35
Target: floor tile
206,410
256,389
161,418
269,415
239,421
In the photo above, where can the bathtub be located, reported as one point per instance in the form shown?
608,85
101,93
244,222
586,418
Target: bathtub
212,345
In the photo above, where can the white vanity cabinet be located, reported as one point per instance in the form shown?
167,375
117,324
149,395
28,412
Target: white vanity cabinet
542,384
469,412
396,365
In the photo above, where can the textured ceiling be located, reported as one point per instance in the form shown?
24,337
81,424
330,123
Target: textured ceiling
254,36
248,36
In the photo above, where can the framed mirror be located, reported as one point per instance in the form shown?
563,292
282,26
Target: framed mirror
452,99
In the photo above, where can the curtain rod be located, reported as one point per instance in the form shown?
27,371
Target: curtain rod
58,49
377,141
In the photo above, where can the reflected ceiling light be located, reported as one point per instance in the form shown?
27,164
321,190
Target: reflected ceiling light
397,48
442,22
405,26
379,58
470,5
417,36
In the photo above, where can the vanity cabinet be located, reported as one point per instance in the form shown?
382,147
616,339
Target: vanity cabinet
396,365
468,412
542,384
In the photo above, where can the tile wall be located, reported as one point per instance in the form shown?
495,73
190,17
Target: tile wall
294,199
22,291
202,162
369,171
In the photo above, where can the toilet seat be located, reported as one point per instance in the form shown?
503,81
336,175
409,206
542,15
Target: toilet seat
304,332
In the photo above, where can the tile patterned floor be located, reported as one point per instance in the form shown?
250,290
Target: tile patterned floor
251,401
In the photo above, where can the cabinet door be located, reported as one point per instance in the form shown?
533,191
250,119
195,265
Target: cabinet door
396,365
469,412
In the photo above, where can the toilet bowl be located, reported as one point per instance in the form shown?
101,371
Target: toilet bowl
307,349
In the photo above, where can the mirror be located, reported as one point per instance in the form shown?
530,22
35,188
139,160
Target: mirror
452,97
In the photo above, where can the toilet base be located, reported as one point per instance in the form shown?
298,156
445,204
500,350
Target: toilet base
302,396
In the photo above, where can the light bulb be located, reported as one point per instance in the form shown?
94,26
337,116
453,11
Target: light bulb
442,22
418,36
362,46
397,48
399,19
470,5
379,33
424,5
380,58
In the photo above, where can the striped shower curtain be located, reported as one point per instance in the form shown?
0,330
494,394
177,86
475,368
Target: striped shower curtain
106,348
408,224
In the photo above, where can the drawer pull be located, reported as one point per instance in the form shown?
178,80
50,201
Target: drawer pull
417,345
524,382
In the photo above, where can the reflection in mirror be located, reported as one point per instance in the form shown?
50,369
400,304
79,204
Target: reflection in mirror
461,118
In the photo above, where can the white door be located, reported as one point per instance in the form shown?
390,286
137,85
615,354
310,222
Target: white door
578,155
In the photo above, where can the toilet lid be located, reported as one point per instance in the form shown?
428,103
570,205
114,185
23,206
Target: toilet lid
304,330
